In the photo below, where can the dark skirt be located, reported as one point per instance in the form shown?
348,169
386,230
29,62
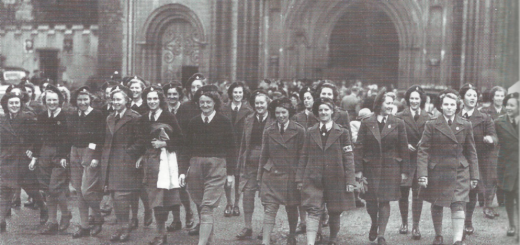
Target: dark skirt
442,190
52,177
206,178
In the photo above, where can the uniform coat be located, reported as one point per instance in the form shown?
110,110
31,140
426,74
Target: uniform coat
279,163
304,120
414,132
245,148
507,168
238,125
186,112
325,172
492,111
119,157
448,157
382,157
341,118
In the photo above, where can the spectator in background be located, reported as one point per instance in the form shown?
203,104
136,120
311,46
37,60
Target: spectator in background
355,124
350,101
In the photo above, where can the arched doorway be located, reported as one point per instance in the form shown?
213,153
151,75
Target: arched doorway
364,45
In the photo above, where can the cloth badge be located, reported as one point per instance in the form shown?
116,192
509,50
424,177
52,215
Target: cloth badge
347,148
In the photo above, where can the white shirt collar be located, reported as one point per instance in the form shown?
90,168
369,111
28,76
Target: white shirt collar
233,105
498,110
175,108
210,117
263,119
452,118
284,126
470,113
138,103
156,115
417,112
89,109
55,113
328,125
120,114
380,118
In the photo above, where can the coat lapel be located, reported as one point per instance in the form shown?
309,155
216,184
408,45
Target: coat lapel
423,118
476,119
334,134
6,124
274,133
506,124
242,112
457,127
391,125
442,126
408,119
374,128
290,132
248,128
111,121
315,135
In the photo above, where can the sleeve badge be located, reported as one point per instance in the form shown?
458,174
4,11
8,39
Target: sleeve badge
347,149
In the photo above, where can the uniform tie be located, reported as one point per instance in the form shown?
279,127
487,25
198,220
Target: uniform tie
81,114
466,115
152,118
206,120
323,130
416,117
234,113
449,122
117,117
282,130
383,121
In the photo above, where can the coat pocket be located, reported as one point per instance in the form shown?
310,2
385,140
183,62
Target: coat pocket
316,179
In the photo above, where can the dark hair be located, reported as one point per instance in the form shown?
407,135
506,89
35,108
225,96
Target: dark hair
160,94
124,91
137,80
322,101
284,103
53,89
305,90
7,97
24,95
486,95
210,91
31,86
418,89
259,93
81,91
335,92
175,85
465,88
513,95
494,90
452,94
380,99
237,85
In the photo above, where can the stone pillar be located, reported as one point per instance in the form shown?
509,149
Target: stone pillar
506,42
110,56
248,40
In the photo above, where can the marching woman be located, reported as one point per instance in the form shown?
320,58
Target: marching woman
86,129
136,86
210,146
306,117
49,157
382,157
282,144
119,175
16,139
340,117
326,172
162,138
507,131
414,117
249,157
236,110
485,140
190,108
447,166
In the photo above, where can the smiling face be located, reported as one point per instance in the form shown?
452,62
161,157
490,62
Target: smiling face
173,96
282,115
470,99
324,113
136,90
498,99
308,100
207,105
238,94
512,109
119,101
152,100
415,101
14,105
387,106
448,107
83,102
52,101
327,93
196,85
261,104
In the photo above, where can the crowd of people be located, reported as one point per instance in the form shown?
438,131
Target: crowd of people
316,147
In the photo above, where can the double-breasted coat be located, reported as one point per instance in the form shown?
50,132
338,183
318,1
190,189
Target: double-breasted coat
245,148
382,157
238,124
326,171
279,163
507,167
119,153
305,120
414,130
448,157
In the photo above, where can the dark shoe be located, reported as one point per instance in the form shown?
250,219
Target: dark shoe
228,212
44,215
116,236
194,231
174,226
189,219
481,203
97,227
30,204
134,224
65,221
80,232
319,239
3,227
291,239
106,211
488,213
438,240
511,231
468,229
416,233
332,243
381,241
360,204
325,220
459,243
301,229
403,229
245,234
236,211
91,220
49,229
125,235
159,240
372,235
16,203
148,218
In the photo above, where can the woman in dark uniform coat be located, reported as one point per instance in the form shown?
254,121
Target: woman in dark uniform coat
51,148
137,86
306,118
118,160
16,138
340,117
190,108
447,165
249,157
485,140
164,197
211,150
326,171
507,131
86,130
236,110
414,118
382,157
282,143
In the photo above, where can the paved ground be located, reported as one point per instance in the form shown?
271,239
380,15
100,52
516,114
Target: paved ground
23,229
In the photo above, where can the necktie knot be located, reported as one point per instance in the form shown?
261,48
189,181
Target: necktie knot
82,114
235,109
466,115
383,121
282,129
206,120
450,122
323,129
416,117
152,117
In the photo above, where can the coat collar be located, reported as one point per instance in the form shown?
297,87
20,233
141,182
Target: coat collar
416,126
291,131
6,124
505,123
334,134
111,121
476,118
374,128
391,125
456,127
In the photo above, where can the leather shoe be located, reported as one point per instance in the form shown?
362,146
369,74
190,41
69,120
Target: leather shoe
49,229
301,229
291,239
319,239
116,236
381,241
159,240
194,231
65,221
189,219
134,224
16,203
97,227
245,234
511,231
416,233
236,211
80,232
148,218
488,213
3,227
468,229
372,235
174,226
438,240
403,229
91,220
325,220
44,215
359,203
125,234
228,212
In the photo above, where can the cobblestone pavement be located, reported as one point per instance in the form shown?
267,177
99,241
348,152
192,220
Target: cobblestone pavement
23,228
